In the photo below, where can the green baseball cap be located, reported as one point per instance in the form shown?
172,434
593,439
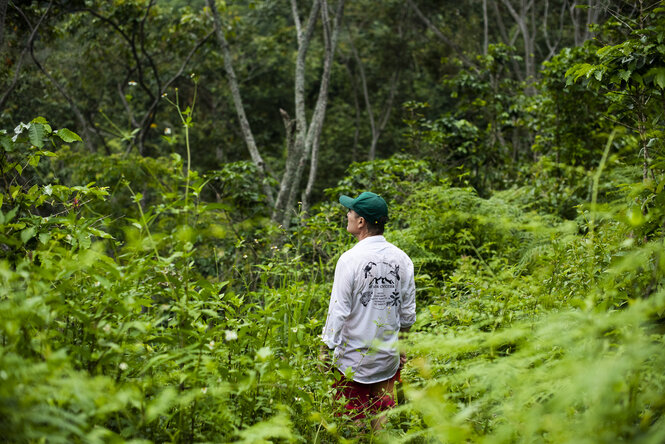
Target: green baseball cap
369,205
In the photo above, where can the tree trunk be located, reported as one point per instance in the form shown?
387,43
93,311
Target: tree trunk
238,103
314,134
528,38
306,137
356,105
290,179
552,46
385,115
517,72
485,28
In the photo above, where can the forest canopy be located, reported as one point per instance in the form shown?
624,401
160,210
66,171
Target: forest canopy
169,225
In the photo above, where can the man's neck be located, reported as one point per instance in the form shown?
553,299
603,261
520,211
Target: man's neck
363,235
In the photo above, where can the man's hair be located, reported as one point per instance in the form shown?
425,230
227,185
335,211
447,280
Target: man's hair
377,228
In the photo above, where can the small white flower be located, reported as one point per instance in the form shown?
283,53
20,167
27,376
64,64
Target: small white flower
97,284
294,329
204,390
230,335
107,328
164,95
244,256
211,345
123,366
296,399
167,131
132,83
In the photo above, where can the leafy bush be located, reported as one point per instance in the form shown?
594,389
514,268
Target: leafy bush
199,321
448,224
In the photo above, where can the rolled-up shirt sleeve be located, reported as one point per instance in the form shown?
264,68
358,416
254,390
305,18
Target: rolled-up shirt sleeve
340,305
407,313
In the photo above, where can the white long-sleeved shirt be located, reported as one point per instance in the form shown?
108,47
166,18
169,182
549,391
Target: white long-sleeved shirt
372,298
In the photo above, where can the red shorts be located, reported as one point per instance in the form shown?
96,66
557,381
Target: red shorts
364,399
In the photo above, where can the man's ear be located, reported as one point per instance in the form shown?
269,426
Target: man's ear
362,222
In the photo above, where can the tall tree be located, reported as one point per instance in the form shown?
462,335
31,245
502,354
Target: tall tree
306,135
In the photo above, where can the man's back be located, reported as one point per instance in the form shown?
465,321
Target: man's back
373,297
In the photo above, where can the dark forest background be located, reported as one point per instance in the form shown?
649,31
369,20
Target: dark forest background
169,226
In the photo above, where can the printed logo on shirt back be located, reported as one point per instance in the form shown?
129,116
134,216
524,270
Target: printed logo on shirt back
380,287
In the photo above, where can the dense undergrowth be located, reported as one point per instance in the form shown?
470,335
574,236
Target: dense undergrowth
155,307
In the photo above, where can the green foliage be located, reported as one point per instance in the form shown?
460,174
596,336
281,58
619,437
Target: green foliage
451,223
629,74
157,302
559,343
483,129
395,178
196,320
568,115
108,340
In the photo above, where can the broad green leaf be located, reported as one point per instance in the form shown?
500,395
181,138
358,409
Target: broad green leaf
6,143
36,134
99,233
658,75
44,238
9,216
84,240
604,50
624,75
598,74
34,161
68,136
27,234
32,191
579,70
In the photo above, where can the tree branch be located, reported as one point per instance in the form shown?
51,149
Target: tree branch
149,116
468,63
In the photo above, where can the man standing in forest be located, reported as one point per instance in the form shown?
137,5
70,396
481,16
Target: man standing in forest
372,301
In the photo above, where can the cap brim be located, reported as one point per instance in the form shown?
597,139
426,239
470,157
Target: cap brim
347,201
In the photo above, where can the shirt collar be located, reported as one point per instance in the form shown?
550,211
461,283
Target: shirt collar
371,240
